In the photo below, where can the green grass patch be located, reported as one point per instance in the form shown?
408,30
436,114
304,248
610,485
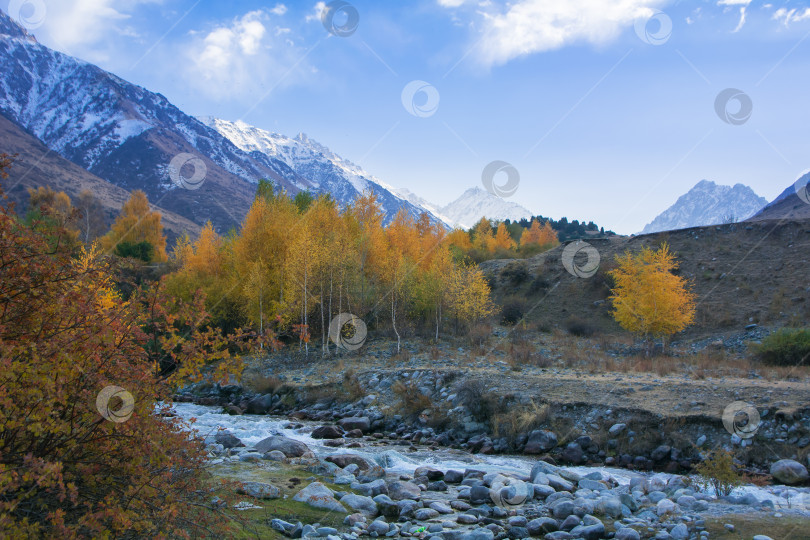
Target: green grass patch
746,526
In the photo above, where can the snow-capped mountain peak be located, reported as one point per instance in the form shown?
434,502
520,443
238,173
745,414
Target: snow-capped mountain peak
708,203
476,203
324,170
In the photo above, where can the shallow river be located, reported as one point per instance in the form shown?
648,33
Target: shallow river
396,458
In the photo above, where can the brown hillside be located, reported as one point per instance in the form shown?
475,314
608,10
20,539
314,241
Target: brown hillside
742,273
36,166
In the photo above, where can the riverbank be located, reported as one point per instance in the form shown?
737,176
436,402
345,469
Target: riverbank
393,488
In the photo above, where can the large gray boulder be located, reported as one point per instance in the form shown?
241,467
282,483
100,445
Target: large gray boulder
344,460
542,525
259,490
540,440
228,439
260,404
327,432
355,422
318,495
364,505
289,447
788,471
399,490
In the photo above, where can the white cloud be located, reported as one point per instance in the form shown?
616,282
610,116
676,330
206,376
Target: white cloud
452,3
315,14
73,26
733,2
530,26
244,57
279,9
786,16
742,21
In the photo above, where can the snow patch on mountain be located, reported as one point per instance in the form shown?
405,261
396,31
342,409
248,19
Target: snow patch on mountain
326,171
708,204
476,203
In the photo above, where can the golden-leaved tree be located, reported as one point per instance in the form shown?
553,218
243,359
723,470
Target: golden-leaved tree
536,235
648,299
300,264
502,240
137,225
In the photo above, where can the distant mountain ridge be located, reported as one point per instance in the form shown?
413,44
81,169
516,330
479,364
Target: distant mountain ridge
325,171
476,203
788,205
708,203
127,135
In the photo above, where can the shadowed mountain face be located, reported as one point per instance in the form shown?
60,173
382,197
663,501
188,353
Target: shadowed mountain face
36,165
789,204
708,204
128,136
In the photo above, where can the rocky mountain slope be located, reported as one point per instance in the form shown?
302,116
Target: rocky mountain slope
708,204
36,165
128,136
325,171
793,203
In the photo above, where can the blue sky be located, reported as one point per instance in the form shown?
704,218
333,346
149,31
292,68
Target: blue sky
606,109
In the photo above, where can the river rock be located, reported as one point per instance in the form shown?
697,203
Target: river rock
364,505
558,535
355,422
573,453
466,519
615,429
480,495
430,473
274,455
289,447
542,492
371,474
477,534
437,486
282,526
228,439
453,476
407,507
424,514
260,404
789,471
399,490
353,519
539,441
627,533
559,483
570,522
589,532
679,532
344,460
379,526
318,495
327,432
562,508
386,505
542,525
259,490
441,507
609,506
665,506
370,489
